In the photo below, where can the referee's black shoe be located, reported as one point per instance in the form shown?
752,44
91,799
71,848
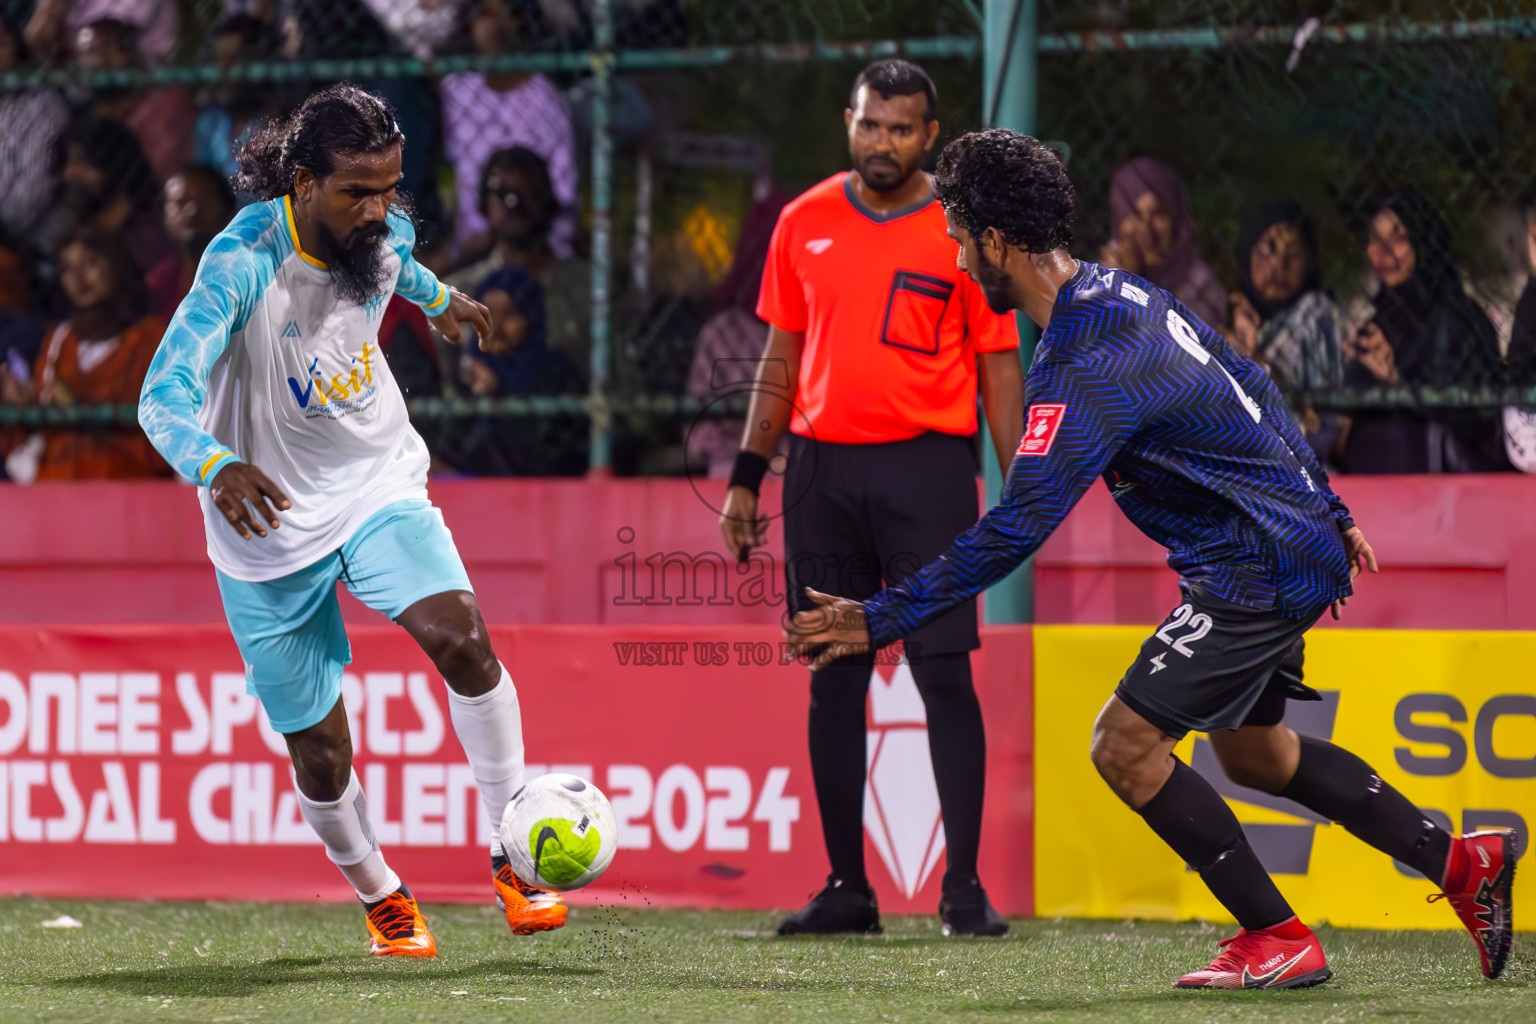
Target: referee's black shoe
965,910
839,907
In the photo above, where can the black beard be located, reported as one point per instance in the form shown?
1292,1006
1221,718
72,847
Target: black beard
889,185
994,285
357,263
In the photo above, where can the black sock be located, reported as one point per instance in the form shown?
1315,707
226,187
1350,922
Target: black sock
957,742
838,742
1341,787
1189,815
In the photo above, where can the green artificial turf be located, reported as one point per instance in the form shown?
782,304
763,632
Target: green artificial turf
284,962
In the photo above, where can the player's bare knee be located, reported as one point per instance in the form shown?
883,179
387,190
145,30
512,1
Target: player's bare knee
1121,762
464,658
322,765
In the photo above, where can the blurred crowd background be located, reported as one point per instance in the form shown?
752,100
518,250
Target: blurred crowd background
1343,187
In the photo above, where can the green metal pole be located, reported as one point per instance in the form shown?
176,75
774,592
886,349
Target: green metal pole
1009,102
602,231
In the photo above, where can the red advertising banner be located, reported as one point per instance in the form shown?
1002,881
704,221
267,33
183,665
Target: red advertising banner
135,754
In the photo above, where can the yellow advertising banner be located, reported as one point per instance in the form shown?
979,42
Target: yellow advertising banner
1449,718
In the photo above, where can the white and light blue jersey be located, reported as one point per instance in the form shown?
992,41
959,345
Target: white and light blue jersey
263,362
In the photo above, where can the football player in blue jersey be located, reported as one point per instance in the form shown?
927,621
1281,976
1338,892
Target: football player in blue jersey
1202,454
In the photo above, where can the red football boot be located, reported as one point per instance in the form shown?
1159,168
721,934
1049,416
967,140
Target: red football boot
1479,882
1286,955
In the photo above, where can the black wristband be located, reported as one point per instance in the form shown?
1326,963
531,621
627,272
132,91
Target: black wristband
1346,524
748,471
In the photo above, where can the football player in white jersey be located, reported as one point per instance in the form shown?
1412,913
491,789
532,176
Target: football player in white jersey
269,391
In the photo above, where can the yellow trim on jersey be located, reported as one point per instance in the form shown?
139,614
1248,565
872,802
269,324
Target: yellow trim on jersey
293,232
213,460
441,300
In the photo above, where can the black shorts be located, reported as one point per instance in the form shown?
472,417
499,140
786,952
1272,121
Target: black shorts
1217,665
861,516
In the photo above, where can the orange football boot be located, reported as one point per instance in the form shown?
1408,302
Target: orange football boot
528,909
396,927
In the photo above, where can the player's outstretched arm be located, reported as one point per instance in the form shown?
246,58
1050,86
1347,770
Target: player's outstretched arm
446,307
837,625
177,381
1076,421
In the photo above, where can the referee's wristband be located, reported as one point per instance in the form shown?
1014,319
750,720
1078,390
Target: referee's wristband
748,471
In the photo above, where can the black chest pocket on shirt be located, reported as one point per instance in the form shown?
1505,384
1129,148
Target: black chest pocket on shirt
914,311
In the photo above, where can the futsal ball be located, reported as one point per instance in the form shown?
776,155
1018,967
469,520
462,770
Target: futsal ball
558,832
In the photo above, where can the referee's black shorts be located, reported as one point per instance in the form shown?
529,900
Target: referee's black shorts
859,516
1217,665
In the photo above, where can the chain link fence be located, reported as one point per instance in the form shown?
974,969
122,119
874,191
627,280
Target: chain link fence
604,173
1356,175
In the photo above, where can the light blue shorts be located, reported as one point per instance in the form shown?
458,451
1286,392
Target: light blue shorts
289,630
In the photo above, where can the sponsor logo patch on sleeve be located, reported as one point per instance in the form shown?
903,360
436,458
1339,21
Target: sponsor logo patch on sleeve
1040,428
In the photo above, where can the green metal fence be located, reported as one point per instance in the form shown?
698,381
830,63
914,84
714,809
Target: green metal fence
684,112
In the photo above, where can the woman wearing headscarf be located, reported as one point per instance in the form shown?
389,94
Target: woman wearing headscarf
1153,234
522,363
1520,363
731,342
519,364
1425,332
1282,317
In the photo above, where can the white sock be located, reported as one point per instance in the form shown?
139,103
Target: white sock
344,828
490,729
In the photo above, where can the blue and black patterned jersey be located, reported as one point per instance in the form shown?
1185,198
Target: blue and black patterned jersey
1193,440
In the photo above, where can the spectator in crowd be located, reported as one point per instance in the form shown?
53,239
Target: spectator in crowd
52,30
1153,234
369,28
109,184
230,109
523,366
30,125
330,28
98,354
484,113
1520,363
422,27
162,117
1425,332
198,205
636,23
1282,317
731,342
520,208
21,333
1520,358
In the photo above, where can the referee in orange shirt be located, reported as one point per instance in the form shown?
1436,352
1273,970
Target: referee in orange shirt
876,347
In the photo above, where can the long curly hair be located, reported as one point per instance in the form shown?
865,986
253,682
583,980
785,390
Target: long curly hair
1001,179
338,120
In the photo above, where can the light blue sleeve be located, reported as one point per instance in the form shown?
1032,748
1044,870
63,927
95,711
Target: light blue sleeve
416,283
224,293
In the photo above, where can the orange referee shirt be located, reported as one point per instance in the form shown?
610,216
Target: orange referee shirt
892,327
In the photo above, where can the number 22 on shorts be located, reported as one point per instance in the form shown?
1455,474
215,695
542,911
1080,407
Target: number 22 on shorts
1199,624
